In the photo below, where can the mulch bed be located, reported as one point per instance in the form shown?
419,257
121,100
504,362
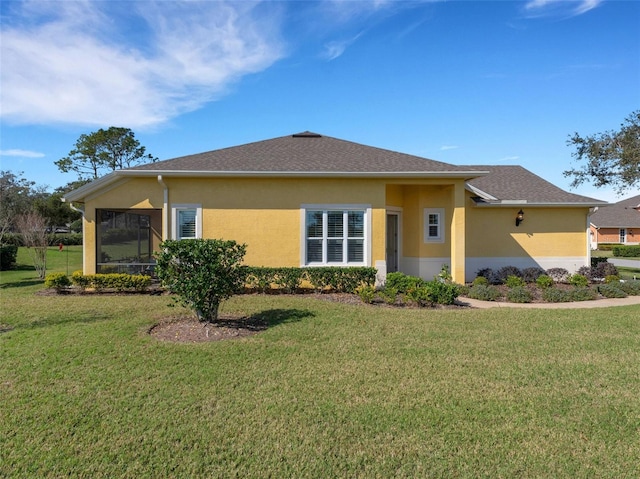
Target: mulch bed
191,330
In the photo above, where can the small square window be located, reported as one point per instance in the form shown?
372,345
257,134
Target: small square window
434,225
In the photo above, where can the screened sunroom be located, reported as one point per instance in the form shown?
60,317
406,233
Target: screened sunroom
126,240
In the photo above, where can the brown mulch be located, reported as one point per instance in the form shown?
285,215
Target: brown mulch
191,330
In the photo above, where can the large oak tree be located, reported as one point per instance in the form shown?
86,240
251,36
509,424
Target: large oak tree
610,159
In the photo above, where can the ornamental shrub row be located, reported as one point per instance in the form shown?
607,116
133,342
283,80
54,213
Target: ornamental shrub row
116,281
627,251
289,280
401,288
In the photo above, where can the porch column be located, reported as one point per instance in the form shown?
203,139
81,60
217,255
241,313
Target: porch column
458,234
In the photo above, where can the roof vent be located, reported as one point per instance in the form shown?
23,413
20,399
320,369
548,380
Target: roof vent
306,134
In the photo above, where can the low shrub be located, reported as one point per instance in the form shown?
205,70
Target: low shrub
484,293
555,295
345,280
604,269
595,260
402,282
629,251
80,280
612,278
611,290
583,294
519,294
389,295
587,272
367,293
632,288
8,255
514,281
442,292
503,273
544,281
530,275
57,281
480,280
489,274
116,281
578,280
420,295
559,275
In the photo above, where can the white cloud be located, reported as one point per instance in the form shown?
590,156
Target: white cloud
562,7
77,63
333,50
448,147
508,158
21,153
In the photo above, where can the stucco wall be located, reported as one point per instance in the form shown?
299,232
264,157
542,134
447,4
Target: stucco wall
548,237
263,213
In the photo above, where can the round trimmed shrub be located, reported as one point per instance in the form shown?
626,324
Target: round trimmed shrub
530,275
611,291
554,295
578,280
583,294
519,294
514,281
632,288
543,281
484,293
57,281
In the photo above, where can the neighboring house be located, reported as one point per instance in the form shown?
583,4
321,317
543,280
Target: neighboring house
617,223
311,200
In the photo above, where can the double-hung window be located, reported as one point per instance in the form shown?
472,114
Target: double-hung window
187,221
434,225
335,236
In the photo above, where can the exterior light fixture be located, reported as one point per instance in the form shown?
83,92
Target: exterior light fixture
519,217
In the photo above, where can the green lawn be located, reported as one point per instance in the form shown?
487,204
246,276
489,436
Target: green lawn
334,391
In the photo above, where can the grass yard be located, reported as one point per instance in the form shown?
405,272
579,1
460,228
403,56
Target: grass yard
329,390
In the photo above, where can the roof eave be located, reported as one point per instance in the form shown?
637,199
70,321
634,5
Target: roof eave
546,204
307,174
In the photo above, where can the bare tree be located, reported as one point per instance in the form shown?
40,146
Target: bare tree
33,228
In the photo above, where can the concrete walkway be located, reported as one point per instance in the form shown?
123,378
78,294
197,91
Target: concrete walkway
598,303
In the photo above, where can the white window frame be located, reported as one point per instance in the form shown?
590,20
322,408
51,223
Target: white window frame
439,213
185,207
325,208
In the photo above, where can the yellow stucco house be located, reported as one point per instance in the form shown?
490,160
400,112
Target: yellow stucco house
310,200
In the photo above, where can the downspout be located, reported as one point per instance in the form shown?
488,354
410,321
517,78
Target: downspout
81,211
165,209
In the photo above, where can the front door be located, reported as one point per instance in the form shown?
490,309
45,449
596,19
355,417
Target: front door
392,242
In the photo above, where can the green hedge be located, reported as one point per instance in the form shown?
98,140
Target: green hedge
116,281
54,239
627,251
8,255
289,280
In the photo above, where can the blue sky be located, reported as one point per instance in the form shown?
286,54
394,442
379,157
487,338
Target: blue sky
464,82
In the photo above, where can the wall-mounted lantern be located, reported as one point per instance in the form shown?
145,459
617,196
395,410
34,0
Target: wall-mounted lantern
519,217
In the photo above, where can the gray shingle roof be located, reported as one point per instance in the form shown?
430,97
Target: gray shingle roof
622,214
303,152
515,184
